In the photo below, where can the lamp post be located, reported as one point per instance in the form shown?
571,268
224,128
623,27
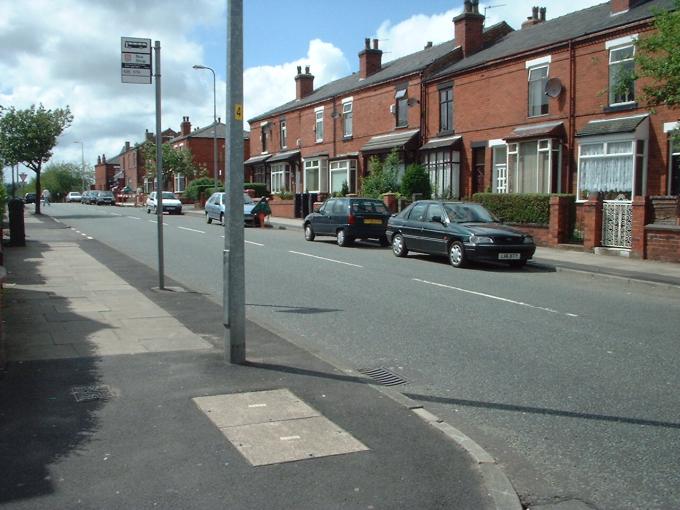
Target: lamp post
198,66
82,163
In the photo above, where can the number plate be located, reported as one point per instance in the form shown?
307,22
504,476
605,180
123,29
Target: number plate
508,256
369,221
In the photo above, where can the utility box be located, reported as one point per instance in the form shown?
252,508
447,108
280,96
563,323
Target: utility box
17,231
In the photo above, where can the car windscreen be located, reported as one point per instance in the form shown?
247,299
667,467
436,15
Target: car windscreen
247,199
368,206
468,213
168,195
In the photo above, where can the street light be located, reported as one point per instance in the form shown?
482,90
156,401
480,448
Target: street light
82,163
198,66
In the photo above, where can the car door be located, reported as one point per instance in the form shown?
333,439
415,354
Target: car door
339,213
435,233
413,226
321,220
210,206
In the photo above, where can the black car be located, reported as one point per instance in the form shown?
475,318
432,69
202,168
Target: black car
105,198
463,231
348,219
29,198
89,197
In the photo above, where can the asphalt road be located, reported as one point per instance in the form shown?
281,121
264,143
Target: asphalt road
570,383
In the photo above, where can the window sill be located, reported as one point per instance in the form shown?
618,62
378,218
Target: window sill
405,126
538,116
347,138
446,132
620,107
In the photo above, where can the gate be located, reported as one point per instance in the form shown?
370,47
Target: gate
617,223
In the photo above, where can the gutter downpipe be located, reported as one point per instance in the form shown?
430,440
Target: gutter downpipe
571,139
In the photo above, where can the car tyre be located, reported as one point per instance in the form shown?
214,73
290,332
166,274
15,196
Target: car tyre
399,246
309,232
343,239
208,219
457,255
222,218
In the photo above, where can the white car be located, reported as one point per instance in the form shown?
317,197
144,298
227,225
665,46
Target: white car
171,203
73,196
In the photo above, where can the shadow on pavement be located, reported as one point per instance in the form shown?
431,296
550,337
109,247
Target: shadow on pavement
302,310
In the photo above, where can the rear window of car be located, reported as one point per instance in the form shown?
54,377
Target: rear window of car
368,206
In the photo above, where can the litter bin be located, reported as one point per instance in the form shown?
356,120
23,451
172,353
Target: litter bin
17,232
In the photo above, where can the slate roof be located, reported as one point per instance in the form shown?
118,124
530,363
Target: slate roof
383,142
553,31
444,141
611,126
207,132
546,129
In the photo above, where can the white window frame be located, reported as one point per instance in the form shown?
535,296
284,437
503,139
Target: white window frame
180,183
629,43
550,145
348,167
280,177
318,124
347,117
633,155
318,165
530,70
401,96
283,134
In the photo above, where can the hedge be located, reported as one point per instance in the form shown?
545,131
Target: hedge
517,207
259,187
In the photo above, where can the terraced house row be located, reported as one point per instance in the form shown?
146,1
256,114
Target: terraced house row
541,109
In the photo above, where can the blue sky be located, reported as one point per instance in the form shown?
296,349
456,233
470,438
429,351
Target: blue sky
67,52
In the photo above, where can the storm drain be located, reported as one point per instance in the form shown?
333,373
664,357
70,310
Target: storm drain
383,376
91,392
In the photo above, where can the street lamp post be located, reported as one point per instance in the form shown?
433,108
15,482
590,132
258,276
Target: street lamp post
82,163
198,66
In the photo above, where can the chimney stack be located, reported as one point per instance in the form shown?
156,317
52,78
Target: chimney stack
621,6
537,16
127,146
370,59
304,83
469,28
185,126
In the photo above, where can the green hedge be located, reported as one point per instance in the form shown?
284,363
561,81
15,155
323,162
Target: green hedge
517,207
259,187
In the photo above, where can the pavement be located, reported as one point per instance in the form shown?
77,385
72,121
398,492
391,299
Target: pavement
115,394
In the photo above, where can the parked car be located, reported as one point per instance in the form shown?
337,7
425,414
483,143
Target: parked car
463,231
171,203
73,196
348,219
105,198
89,197
216,204
29,198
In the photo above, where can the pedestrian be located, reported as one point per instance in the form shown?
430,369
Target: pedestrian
46,196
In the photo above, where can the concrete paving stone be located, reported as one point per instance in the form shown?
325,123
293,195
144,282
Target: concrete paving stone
98,337
29,338
238,409
94,349
74,317
41,352
286,441
78,305
143,311
108,286
152,327
190,342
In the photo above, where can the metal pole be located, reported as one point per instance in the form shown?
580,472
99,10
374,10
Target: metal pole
234,259
159,166
214,128
82,164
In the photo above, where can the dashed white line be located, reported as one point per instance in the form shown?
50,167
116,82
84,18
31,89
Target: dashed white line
498,298
133,217
115,214
289,438
154,221
324,258
253,242
189,229
90,237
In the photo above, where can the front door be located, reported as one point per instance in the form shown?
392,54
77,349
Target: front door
478,163
675,174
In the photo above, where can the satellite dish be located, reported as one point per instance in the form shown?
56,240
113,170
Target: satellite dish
553,87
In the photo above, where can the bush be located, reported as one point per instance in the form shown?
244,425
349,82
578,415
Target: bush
517,207
259,187
382,177
198,186
3,199
416,180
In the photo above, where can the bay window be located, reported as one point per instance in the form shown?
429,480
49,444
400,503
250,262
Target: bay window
531,167
343,171
614,168
280,177
315,175
443,167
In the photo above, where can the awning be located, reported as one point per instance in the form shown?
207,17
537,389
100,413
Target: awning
257,159
284,156
119,175
398,140
437,143
611,126
544,130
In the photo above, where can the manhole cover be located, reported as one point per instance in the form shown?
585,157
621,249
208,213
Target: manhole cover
383,376
91,392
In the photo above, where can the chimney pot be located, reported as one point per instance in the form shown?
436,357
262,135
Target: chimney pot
542,14
428,45
367,43
534,12
467,6
375,44
299,69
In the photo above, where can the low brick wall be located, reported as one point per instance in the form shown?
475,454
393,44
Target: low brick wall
282,208
663,242
540,233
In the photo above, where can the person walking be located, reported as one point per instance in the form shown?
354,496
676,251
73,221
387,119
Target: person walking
46,196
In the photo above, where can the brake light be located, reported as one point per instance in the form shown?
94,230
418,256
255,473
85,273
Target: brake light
352,219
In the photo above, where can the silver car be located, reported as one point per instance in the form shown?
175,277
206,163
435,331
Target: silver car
215,207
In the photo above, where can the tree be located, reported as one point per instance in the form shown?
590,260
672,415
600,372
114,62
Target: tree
28,136
60,178
175,161
658,58
416,180
382,176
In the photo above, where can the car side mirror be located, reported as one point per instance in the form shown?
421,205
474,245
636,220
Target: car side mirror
316,208
437,219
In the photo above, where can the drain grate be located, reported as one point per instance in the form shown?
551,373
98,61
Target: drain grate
383,376
91,392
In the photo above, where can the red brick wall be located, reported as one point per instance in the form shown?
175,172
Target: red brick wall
663,243
540,233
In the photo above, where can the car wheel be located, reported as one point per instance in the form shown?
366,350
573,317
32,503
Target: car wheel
208,219
457,254
343,239
222,218
309,232
399,246
384,241
518,263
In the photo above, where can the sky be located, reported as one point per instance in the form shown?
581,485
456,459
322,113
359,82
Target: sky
67,52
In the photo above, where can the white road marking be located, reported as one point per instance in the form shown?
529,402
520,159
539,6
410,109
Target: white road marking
115,214
253,242
154,221
133,217
84,235
324,258
90,237
289,438
490,296
189,229
257,405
